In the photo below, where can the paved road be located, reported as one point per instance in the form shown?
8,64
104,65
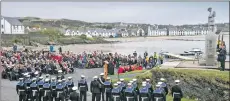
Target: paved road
9,87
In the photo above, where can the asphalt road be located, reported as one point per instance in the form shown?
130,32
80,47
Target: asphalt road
8,92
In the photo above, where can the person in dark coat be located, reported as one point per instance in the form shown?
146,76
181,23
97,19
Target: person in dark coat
177,93
74,96
102,88
222,57
83,88
95,89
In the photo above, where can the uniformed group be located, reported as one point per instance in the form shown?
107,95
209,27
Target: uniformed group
58,89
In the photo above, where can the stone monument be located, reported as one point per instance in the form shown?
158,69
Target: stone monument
211,40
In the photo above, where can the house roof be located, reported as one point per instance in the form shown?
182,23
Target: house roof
13,21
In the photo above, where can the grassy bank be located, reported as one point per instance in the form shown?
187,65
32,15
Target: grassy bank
206,85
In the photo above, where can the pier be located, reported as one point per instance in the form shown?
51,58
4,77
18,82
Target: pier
175,56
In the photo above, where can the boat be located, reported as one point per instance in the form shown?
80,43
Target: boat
192,52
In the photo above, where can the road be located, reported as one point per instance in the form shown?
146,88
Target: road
9,87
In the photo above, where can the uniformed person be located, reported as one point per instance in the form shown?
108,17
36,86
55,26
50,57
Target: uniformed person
40,83
60,75
83,88
108,89
177,93
27,84
121,90
53,84
47,90
74,95
123,85
34,90
164,86
158,94
102,88
135,86
163,90
148,84
145,94
161,58
116,93
59,91
47,77
21,90
65,88
70,85
130,94
95,89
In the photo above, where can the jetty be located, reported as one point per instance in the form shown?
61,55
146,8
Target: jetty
175,56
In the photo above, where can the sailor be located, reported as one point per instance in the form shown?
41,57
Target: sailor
135,86
74,95
164,86
95,89
177,92
34,90
163,90
108,89
130,94
59,91
70,84
83,88
158,94
145,94
20,88
40,87
46,90
116,93
60,76
65,87
47,77
36,74
121,90
53,84
148,84
27,84
102,88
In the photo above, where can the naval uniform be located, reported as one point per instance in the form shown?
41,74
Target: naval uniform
47,92
158,95
164,86
177,93
53,89
40,88
108,89
95,89
83,88
145,94
116,94
102,88
34,91
130,94
59,92
21,90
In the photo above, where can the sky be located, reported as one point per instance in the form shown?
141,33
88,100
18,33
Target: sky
174,13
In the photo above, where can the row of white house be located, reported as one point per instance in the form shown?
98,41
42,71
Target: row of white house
176,32
11,26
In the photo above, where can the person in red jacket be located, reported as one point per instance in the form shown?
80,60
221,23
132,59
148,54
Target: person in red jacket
139,67
121,70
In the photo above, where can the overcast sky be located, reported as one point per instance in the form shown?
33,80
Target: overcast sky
175,13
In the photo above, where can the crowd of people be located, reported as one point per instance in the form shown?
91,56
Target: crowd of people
102,89
16,63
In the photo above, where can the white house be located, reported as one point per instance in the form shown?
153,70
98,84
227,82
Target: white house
11,26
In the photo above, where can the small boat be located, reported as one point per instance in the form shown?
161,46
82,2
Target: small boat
192,52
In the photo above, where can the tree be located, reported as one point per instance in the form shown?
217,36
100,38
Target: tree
83,36
52,33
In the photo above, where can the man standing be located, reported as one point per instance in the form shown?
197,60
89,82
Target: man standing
177,92
108,89
83,88
95,89
74,96
158,94
102,88
222,57
165,87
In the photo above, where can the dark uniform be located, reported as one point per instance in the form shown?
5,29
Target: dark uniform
95,89
70,85
108,89
83,88
158,94
148,85
102,88
177,93
130,94
65,87
74,96
135,86
53,85
21,90
116,94
222,58
40,87
27,84
145,94
47,91
34,91
59,92
165,87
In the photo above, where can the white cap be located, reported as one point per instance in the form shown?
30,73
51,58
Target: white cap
36,73
130,81
59,80
46,80
134,79
53,78
159,83
118,82
34,79
82,76
74,88
59,71
177,81
108,78
63,79
70,77
143,84
95,77
40,77
162,79
27,75
47,75
115,84
147,79
102,74
20,78
121,79
129,84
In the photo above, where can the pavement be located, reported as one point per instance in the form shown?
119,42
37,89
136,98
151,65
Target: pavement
8,88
